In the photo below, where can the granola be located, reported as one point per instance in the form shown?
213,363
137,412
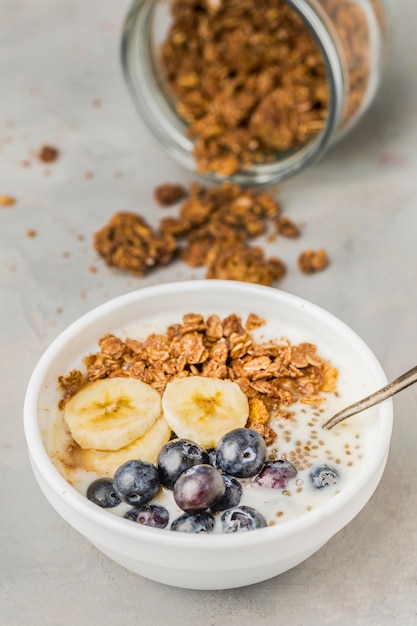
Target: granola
48,154
311,261
169,193
249,80
242,262
213,229
129,243
247,77
6,201
287,228
273,375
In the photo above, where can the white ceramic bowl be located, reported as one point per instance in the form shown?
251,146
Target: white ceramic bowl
213,561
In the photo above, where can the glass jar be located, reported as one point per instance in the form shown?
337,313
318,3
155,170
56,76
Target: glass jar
197,91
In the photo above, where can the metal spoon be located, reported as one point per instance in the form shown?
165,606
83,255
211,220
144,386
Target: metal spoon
400,383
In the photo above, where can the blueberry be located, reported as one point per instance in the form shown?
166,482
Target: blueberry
136,482
176,457
276,474
241,453
242,518
199,488
202,522
323,476
149,515
231,496
101,492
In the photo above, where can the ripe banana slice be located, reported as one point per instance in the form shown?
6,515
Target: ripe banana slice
146,448
112,413
204,409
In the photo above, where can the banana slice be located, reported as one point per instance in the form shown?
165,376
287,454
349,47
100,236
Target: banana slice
145,448
112,413
204,409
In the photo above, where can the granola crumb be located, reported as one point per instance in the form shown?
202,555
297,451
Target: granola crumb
311,261
169,193
248,79
6,201
31,233
48,154
287,228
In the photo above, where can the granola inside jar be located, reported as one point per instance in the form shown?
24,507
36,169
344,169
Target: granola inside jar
253,91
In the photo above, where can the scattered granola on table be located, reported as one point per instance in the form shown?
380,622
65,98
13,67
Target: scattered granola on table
311,261
169,193
242,262
287,228
213,229
129,243
272,374
48,154
7,201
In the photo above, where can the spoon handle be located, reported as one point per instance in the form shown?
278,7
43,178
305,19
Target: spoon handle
400,383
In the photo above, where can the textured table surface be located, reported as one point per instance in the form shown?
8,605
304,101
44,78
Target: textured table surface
61,84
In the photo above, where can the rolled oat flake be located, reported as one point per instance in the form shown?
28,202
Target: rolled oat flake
253,91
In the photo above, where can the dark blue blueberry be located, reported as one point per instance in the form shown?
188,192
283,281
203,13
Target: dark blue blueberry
323,476
176,457
241,453
149,515
202,522
276,474
231,496
199,488
101,492
136,482
242,518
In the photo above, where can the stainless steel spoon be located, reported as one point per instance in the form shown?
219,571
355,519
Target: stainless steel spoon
400,383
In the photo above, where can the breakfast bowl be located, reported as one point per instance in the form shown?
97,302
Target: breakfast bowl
302,514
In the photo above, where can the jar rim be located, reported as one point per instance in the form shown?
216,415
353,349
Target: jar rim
170,129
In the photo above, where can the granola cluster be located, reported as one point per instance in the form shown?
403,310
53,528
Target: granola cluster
213,228
129,243
273,375
249,79
311,261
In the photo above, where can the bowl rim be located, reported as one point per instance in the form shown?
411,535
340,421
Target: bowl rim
44,465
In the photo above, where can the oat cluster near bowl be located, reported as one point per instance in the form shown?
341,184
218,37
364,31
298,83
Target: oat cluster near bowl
214,228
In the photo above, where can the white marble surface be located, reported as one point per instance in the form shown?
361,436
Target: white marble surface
56,58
